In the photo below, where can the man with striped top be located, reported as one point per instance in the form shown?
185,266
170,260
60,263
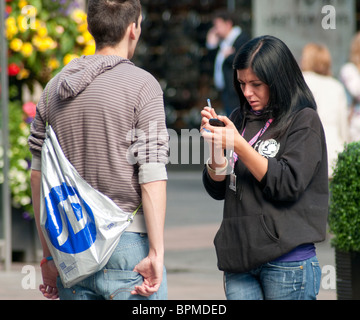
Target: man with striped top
109,118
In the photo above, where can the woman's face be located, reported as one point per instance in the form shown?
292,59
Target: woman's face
255,91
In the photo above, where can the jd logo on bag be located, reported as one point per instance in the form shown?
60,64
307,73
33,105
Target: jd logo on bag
82,227
69,233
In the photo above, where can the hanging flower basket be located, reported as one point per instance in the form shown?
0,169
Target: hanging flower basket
43,36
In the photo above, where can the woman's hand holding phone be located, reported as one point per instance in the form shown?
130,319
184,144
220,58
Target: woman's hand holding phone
214,132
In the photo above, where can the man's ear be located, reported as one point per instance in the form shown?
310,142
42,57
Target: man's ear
132,31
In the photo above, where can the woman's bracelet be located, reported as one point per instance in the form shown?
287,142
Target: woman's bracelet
217,171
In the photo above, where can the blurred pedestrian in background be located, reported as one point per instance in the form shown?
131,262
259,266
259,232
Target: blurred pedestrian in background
225,37
276,195
350,76
330,97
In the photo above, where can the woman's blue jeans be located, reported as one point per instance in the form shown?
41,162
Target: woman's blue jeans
276,281
117,279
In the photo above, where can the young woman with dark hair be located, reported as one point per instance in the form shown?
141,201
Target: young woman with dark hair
274,178
274,64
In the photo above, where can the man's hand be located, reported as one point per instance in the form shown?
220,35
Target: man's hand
152,271
49,275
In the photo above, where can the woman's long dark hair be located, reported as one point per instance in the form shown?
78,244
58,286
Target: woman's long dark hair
274,64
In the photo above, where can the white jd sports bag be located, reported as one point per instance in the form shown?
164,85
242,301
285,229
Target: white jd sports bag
82,227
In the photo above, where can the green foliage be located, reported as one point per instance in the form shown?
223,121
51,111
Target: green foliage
344,218
20,156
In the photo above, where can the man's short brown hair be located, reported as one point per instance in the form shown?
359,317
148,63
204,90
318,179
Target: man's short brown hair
108,20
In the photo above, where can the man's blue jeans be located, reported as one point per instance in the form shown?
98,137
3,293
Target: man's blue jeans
276,281
117,279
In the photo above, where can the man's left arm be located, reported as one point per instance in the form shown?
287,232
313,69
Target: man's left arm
49,271
151,268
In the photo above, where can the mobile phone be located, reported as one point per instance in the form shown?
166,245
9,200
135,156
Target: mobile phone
216,123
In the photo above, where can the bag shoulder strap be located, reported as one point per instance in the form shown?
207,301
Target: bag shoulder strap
47,126
135,212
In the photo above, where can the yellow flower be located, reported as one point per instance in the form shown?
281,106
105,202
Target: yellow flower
11,31
22,23
38,24
53,63
79,16
69,57
42,31
27,49
44,44
82,27
16,45
11,28
23,74
90,49
36,40
10,21
87,37
22,4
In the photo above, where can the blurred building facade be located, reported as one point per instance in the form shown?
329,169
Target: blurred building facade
173,47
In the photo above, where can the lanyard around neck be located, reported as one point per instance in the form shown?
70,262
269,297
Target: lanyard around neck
235,157
260,133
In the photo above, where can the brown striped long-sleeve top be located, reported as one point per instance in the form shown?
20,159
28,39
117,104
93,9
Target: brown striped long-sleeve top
109,118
